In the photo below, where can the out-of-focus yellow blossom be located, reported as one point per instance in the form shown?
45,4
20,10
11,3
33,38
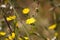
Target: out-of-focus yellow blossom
11,18
13,35
52,27
2,33
20,39
56,34
30,21
10,37
26,38
16,24
6,39
26,10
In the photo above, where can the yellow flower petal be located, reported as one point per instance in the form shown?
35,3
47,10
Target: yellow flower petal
2,33
56,34
6,39
8,19
30,21
13,35
26,38
10,37
11,18
26,10
20,39
16,24
52,27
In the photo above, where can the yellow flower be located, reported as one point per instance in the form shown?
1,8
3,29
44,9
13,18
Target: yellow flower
13,35
11,18
52,27
20,39
6,39
26,38
16,24
26,10
10,37
2,33
56,34
30,21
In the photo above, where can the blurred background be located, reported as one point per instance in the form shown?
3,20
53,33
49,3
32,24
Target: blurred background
29,19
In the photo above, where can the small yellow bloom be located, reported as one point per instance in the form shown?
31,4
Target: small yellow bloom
2,33
56,34
26,10
10,37
20,39
11,18
52,27
26,38
6,39
30,21
16,24
13,35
